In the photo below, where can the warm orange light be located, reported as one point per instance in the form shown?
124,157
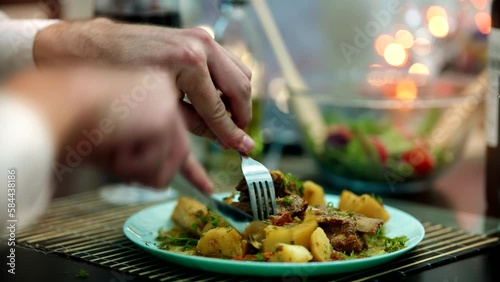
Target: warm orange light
421,46
479,4
406,90
419,68
436,11
438,26
483,22
405,38
395,54
381,42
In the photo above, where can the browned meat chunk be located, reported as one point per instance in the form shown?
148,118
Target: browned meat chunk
346,229
294,204
281,219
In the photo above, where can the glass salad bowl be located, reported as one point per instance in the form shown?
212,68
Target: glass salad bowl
386,132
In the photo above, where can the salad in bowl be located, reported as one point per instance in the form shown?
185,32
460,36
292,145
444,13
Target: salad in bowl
369,138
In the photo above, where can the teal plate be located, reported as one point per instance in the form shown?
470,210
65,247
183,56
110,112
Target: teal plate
142,229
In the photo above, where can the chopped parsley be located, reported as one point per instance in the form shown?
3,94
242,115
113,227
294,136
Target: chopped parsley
259,257
378,244
82,273
214,221
388,245
287,201
167,241
200,214
293,182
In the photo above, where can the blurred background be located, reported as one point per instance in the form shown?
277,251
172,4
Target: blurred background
407,55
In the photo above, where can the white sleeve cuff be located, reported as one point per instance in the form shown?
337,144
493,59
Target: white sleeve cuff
16,43
28,147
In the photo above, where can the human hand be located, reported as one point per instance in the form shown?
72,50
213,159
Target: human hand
127,122
199,65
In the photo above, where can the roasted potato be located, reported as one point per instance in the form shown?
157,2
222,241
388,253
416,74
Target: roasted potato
276,235
291,253
296,234
371,208
189,215
313,194
301,233
321,248
222,242
213,220
364,204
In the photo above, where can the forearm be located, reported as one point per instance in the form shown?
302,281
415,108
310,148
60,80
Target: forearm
100,41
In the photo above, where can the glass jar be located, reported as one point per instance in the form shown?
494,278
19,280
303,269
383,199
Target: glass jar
236,31
157,12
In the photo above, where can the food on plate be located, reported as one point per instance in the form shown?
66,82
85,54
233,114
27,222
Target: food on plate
321,248
306,228
379,150
188,214
290,253
313,194
365,204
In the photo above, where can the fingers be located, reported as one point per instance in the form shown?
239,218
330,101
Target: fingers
139,162
197,83
194,172
195,123
237,62
234,84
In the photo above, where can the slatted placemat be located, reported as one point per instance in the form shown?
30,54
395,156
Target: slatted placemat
85,227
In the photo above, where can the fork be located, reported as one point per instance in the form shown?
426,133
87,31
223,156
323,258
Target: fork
260,187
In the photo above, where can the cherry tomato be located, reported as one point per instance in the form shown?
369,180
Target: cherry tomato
420,159
383,155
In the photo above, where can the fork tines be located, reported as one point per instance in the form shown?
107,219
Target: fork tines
260,188
262,199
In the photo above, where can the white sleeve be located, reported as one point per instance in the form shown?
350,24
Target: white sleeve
16,43
27,150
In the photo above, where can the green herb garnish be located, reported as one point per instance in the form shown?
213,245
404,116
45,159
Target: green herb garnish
259,257
165,242
388,245
293,182
287,201
82,273
214,221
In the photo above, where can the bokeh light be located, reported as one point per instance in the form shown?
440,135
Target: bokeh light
419,68
483,22
439,27
406,90
436,11
395,54
404,37
381,43
479,4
